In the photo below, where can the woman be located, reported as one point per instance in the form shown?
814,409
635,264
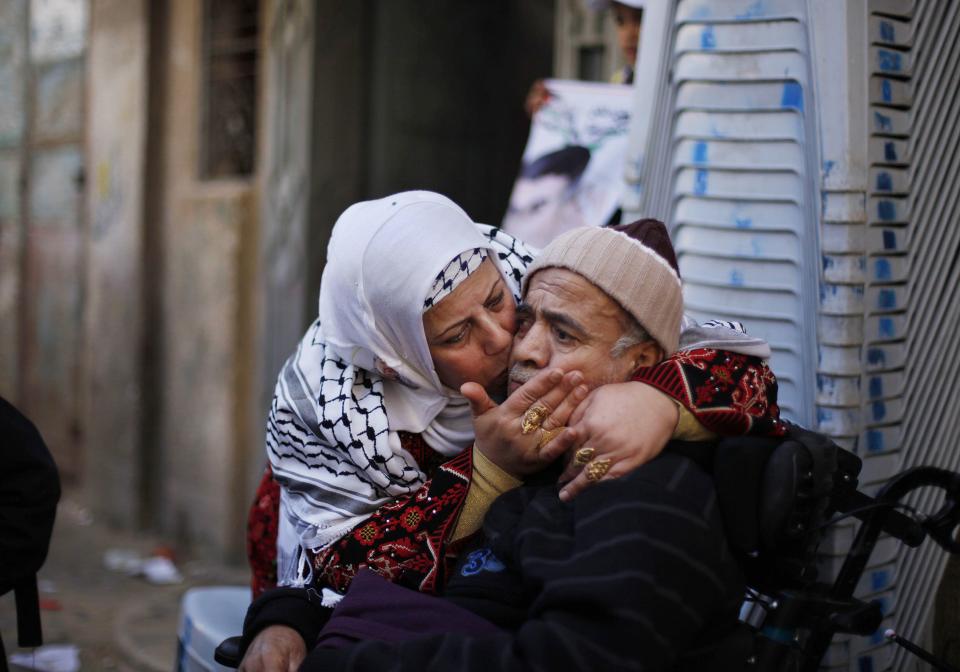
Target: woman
367,430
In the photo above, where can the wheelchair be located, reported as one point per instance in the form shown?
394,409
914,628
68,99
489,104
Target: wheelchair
801,487
778,499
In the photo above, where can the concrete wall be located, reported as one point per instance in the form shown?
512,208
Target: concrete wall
13,60
207,234
41,221
116,141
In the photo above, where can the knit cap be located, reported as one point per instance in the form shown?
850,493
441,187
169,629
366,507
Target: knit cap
637,276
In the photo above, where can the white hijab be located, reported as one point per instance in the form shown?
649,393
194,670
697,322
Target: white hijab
383,259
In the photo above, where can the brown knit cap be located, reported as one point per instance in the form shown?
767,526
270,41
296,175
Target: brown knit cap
644,283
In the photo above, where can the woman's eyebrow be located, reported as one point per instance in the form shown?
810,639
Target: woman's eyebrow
493,288
453,326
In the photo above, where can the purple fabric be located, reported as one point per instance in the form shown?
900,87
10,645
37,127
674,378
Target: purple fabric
375,609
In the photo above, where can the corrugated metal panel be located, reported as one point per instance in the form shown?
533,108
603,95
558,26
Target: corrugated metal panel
931,422
737,193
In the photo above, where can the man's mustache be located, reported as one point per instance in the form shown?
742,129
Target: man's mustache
521,373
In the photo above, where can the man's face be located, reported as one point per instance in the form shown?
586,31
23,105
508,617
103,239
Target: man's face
470,330
628,20
534,203
566,321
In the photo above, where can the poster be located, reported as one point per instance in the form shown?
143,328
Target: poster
573,165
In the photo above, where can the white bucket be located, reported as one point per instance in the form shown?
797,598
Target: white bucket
207,617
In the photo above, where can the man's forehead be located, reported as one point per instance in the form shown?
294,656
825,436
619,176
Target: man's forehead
570,292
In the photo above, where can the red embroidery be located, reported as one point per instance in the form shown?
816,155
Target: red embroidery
404,540
367,534
262,535
728,393
412,547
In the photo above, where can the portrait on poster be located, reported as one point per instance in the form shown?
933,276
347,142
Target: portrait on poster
572,172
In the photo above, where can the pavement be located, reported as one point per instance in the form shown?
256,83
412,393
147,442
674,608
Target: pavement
118,622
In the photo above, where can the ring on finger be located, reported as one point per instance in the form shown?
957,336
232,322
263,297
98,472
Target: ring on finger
548,435
598,469
533,418
583,456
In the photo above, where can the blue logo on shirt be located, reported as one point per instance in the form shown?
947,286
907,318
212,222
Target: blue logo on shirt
481,560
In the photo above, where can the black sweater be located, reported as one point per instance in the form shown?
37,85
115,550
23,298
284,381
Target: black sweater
634,574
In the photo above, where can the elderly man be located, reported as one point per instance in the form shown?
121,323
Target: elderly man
632,574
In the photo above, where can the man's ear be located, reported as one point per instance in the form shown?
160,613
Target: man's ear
645,354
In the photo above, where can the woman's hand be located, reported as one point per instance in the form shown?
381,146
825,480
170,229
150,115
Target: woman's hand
500,432
626,425
277,648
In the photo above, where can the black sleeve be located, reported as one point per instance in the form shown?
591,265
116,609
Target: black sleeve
298,608
649,574
29,492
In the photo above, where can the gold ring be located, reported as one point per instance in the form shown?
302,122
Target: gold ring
598,469
584,455
533,418
548,435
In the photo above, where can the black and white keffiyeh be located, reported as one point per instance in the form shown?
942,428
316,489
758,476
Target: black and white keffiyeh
363,371
458,270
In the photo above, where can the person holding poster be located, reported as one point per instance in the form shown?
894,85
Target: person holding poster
572,171
549,196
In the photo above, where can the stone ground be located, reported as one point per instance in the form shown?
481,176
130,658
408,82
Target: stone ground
120,623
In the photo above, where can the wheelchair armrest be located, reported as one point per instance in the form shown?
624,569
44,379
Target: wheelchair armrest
229,653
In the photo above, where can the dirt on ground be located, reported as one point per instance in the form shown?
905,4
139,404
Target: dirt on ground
118,622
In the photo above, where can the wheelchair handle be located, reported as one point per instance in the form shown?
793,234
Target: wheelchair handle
229,652
894,523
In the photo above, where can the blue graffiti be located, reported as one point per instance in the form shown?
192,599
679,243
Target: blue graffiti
889,151
886,210
889,240
889,61
879,579
884,181
825,383
792,96
876,357
879,410
883,122
887,299
885,328
882,269
876,387
743,222
824,415
828,167
887,33
874,441
707,39
736,278
700,183
754,10
886,91
700,152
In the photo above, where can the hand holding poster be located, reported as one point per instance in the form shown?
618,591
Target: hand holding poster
572,172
